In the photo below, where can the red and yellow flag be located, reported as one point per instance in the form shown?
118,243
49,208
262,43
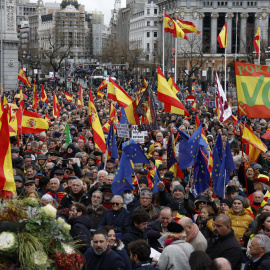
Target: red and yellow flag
56,107
35,102
7,184
166,95
252,86
187,27
222,37
173,85
22,77
68,96
44,97
170,26
98,134
102,85
21,99
257,41
117,93
113,119
80,99
194,107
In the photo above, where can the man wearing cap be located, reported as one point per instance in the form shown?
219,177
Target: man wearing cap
107,196
59,173
18,181
41,163
231,192
162,168
56,190
225,205
15,152
110,166
239,216
233,143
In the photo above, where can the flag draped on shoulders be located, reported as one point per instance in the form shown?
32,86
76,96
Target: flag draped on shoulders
7,184
222,37
117,93
22,77
98,134
166,95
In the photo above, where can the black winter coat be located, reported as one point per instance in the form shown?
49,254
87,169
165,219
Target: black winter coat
227,247
262,264
144,266
117,219
68,200
80,230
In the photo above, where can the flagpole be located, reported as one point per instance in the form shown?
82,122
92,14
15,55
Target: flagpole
175,61
259,59
163,45
225,84
236,22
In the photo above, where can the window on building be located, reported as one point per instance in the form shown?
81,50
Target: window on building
148,11
148,34
148,23
155,11
155,34
155,23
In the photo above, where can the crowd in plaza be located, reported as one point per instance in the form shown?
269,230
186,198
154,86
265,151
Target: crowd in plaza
121,231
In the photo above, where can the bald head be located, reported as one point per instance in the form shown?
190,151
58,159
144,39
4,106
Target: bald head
185,221
225,219
220,264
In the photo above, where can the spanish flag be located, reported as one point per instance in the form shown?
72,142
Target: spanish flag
145,82
132,116
80,99
100,94
21,99
22,77
102,85
47,118
32,122
68,97
222,37
113,119
7,184
173,85
35,104
170,26
56,108
166,95
44,97
117,93
257,41
187,27
98,134
194,107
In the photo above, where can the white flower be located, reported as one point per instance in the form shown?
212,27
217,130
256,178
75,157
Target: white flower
68,249
50,211
66,227
8,242
39,258
60,220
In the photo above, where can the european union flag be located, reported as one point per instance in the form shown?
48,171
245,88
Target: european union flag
183,134
227,166
123,119
217,158
111,143
201,176
188,150
134,152
171,159
123,176
157,178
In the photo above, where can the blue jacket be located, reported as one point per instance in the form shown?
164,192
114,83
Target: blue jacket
116,219
107,260
123,254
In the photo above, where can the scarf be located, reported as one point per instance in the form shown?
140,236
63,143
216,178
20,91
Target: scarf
192,234
262,231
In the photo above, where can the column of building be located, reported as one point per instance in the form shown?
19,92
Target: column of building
229,17
214,17
243,33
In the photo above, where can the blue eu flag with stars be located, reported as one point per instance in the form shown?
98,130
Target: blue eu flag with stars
157,178
123,176
111,143
226,167
134,152
171,159
188,150
201,176
123,119
217,158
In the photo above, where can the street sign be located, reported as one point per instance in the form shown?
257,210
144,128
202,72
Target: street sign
190,99
52,78
69,78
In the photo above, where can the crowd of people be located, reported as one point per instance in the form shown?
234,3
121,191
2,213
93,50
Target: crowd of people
139,229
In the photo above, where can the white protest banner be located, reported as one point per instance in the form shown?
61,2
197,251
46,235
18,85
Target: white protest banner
122,130
138,136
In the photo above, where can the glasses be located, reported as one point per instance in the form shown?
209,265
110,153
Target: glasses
190,128
115,203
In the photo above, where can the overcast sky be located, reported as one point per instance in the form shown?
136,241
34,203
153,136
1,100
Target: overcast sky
99,5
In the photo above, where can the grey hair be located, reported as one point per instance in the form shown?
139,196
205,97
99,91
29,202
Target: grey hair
55,179
102,171
146,192
237,160
98,191
258,191
263,242
118,197
237,184
110,174
34,143
47,197
78,180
